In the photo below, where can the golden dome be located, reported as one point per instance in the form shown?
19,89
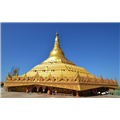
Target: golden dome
57,55
56,51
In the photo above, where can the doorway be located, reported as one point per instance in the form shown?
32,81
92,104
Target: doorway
34,89
41,90
46,89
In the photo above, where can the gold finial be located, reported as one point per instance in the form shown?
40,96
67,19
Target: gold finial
15,71
57,39
56,34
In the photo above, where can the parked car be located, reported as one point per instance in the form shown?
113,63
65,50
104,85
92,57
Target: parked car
102,93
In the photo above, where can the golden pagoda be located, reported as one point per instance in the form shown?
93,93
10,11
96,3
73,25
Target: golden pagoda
59,74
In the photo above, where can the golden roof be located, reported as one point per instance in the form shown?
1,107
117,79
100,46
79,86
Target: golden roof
56,64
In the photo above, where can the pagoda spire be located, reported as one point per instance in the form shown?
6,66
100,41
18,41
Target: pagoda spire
56,51
57,55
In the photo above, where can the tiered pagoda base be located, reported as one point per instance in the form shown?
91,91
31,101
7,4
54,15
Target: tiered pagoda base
77,85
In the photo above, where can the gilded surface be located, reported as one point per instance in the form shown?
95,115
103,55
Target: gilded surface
62,78
25,78
58,71
49,78
57,55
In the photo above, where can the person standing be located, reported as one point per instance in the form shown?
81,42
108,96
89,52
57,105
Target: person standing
37,90
52,92
43,90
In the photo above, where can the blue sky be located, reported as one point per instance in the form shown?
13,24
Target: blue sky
93,46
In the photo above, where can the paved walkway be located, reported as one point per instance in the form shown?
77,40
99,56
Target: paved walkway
5,94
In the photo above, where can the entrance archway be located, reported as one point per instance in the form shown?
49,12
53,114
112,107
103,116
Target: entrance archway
34,89
59,90
41,90
65,91
70,91
91,92
46,89
74,92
